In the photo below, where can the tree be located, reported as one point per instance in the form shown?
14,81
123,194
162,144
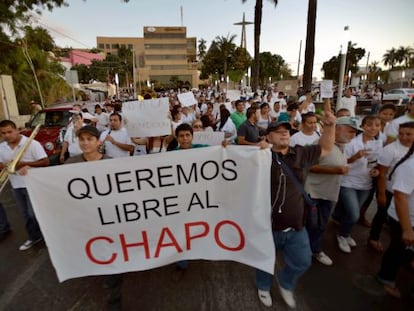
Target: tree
403,55
273,66
202,49
310,45
354,55
14,11
224,58
257,30
390,58
226,46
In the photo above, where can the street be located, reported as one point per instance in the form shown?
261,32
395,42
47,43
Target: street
29,282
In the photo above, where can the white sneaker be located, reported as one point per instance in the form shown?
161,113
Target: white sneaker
264,297
28,244
323,259
351,242
343,244
287,296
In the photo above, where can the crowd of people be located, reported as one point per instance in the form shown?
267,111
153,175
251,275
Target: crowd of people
325,167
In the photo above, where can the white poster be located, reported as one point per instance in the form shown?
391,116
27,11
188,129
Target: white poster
187,99
326,89
233,95
208,138
147,118
138,213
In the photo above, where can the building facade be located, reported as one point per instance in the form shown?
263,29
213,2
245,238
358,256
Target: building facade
163,54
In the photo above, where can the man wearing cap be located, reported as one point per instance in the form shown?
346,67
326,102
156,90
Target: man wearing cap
290,236
323,184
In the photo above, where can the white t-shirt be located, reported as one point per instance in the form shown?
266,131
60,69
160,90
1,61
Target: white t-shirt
390,155
228,127
392,129
403,182
302,139
358,175
188,118
348,103
103,121
120,136
34,152
73,142
311,108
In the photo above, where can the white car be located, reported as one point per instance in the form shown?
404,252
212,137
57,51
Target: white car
402,95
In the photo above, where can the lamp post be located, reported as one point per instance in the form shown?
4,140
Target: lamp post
349,77
343,52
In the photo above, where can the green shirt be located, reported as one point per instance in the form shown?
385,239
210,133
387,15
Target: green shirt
238,118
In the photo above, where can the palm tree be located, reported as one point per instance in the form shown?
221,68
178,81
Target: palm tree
310,45
257,30
403,55
390,58
225,45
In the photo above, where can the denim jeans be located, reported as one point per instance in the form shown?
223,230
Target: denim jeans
349,203
4,222
294,246
23,202
315,235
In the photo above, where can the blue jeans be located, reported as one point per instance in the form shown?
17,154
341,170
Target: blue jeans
23,202
297,255
315,235
347,209
4,222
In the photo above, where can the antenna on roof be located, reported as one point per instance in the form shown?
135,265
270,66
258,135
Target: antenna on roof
181,11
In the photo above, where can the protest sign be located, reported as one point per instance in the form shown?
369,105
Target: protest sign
147,118
233,95
187,99
208,138
326,89
138,213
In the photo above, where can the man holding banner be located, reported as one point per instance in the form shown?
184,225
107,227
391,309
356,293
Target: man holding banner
288,171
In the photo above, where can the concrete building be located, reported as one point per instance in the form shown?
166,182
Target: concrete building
163,53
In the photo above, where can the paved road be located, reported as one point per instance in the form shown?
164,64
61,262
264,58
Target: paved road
28,282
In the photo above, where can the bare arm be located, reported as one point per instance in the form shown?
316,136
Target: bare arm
327,139
401,205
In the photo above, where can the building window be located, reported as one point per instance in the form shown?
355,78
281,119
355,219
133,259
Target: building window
123,46
130,46
168,67
101,46
165,46
115,46
152,35
165,57
107,46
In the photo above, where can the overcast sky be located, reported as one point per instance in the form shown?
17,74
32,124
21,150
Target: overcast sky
374,25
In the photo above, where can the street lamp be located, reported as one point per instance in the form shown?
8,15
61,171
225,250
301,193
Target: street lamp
343,52
349,77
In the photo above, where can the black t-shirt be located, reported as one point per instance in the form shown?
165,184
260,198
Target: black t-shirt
287,201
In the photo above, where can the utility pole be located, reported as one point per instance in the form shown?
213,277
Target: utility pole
133,73
344,51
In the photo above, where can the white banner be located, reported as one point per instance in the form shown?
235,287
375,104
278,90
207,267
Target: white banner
147,118
114,216
208,138
187,99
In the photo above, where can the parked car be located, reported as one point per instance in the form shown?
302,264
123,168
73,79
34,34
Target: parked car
403,96
53,120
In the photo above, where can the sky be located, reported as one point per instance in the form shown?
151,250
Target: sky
375,25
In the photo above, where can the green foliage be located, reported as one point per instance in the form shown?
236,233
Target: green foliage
224,57
354,55
274,66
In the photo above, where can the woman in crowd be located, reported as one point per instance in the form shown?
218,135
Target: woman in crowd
401,223
226,125
361,154
264,118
